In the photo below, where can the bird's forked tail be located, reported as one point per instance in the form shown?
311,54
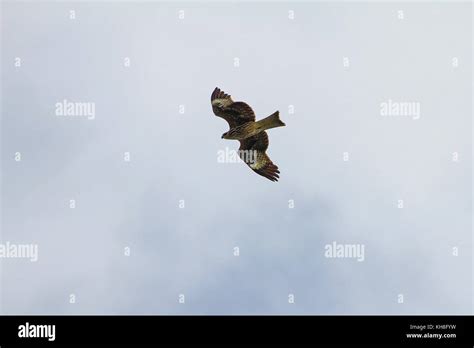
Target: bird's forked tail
271,121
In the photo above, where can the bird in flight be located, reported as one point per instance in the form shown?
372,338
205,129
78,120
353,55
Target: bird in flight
250,133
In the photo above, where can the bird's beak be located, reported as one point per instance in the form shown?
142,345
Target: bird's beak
222,137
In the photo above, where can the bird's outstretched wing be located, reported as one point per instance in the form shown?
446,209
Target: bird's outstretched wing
235,113
259,162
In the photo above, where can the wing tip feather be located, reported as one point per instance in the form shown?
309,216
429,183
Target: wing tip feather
270,172
219,94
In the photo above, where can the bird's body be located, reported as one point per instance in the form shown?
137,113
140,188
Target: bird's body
252,128
251,134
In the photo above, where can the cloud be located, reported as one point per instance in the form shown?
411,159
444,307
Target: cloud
190,250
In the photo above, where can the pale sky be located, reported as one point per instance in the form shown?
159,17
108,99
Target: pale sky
284,64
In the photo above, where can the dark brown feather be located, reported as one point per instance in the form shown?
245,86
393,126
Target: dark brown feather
259,143
235,113
218,94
